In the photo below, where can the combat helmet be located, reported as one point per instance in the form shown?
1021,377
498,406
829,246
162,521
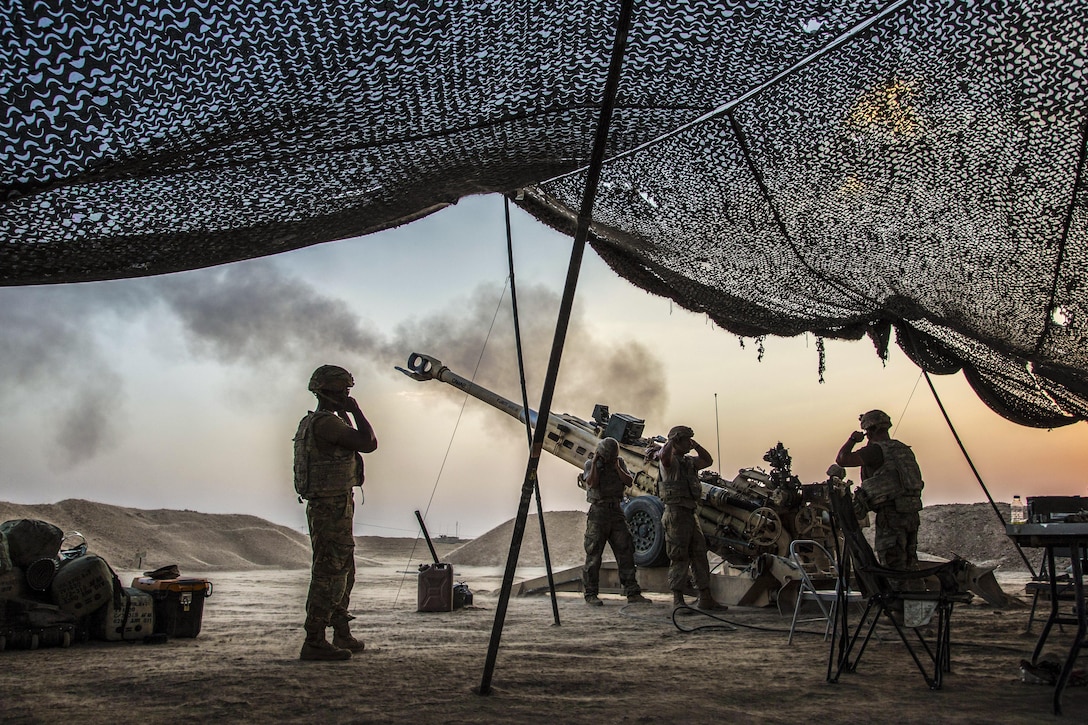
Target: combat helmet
875,420
680,431
608,449
330,377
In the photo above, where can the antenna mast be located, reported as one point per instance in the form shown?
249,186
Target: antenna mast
718,433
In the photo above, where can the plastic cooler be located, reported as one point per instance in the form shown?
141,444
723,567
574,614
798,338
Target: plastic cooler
179,603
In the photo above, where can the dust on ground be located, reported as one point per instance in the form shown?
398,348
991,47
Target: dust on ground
615,663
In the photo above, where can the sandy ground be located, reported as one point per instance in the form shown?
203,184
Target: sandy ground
615,663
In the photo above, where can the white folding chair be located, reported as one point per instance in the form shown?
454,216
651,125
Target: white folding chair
814,562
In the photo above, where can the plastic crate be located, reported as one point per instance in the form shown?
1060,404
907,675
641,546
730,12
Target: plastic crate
179,603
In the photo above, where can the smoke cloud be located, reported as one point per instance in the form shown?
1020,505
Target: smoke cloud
253,314
52,361
628,378
87,427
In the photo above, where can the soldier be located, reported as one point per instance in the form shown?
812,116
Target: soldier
327,466
606,476
891,485
681,491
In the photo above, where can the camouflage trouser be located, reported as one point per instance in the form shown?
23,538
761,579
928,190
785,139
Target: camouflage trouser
686,547
333,573
896,540
606,524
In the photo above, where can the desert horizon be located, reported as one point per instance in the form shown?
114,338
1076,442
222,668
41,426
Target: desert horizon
616,663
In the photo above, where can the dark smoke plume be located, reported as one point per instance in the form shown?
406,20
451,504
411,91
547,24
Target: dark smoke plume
628,377
87,427
52,361
252,314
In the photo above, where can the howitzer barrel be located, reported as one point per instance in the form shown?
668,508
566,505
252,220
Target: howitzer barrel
424,367
568,438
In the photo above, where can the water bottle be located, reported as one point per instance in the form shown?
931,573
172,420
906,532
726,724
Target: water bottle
1018,512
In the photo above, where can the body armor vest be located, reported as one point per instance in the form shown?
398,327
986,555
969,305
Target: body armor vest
320,474
682,487
609,485
897,484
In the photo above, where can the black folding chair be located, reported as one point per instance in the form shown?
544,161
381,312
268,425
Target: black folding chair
1039,586
884,593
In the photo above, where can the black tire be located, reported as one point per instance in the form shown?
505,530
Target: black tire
643,514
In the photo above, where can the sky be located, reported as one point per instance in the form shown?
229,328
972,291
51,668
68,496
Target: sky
184,391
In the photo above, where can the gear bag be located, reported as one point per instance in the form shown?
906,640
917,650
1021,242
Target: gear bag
29,540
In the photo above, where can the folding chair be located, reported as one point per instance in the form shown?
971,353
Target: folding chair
1039,586
816,566
882,597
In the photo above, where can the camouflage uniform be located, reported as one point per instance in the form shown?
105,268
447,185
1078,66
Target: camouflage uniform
894,491
896,540
684,540
333,571
330,508
606,523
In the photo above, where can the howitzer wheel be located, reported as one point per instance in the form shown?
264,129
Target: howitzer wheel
643,514
809,523
763,527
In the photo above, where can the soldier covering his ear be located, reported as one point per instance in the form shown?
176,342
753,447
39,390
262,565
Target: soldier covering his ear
606,477
681,493
891,485
327,467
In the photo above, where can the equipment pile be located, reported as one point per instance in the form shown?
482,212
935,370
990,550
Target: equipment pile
53,593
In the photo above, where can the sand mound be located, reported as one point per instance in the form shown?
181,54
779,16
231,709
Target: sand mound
565,531
136,539
974,532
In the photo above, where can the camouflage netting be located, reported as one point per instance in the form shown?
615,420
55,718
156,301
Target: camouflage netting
840,167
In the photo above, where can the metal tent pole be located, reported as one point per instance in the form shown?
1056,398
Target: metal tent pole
974,470
525,404
585,216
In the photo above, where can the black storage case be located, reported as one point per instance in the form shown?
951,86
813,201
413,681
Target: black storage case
179,603
1050,509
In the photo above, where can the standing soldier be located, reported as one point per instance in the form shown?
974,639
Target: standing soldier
681,492
891,485
328,465
606,476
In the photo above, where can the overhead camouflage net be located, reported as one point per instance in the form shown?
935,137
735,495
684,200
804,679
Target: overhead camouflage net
785,166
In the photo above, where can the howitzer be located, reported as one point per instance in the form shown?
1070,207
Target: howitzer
748,521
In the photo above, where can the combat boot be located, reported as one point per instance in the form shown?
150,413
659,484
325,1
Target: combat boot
638,599
593,601
317,648
342,638
678,598
708,604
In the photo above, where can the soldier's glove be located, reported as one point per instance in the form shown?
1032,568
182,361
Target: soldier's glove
861,502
